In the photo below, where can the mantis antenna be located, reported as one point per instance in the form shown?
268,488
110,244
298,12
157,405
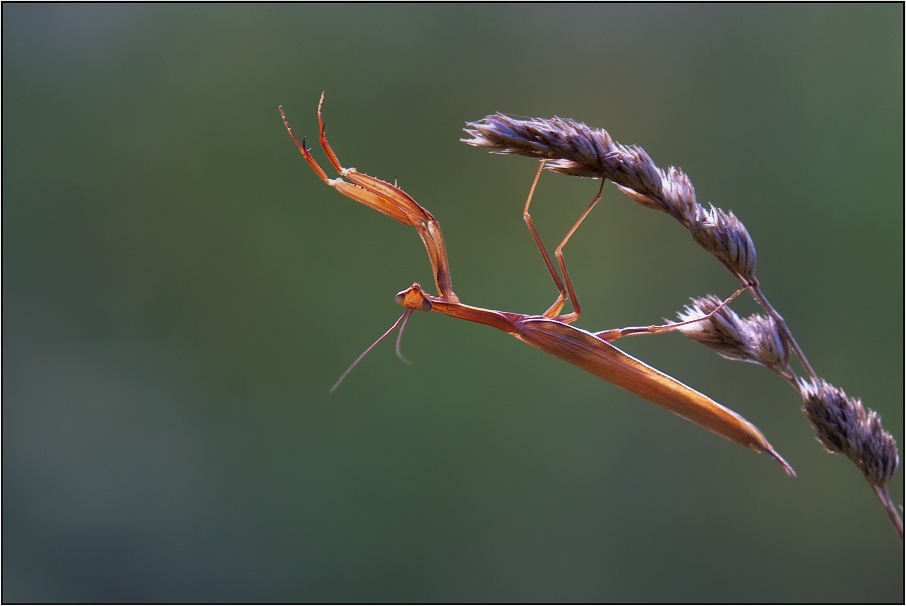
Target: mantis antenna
403,318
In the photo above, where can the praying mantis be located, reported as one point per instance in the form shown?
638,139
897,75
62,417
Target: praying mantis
552,332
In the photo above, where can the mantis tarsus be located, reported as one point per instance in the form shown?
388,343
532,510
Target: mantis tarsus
551,331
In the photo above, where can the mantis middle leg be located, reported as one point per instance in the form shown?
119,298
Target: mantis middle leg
565,286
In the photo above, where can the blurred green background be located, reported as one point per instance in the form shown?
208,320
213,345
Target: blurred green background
180,291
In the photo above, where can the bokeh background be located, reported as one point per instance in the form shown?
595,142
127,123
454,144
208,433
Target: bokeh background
180,291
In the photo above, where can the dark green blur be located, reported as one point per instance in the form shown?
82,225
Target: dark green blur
180,291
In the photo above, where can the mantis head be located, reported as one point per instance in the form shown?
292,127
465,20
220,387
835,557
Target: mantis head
414,298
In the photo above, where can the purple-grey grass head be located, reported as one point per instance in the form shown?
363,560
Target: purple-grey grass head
754,339
724,332
725,237
768,344
572,148
842,425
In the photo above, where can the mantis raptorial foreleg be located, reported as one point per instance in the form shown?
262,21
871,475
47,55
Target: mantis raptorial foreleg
385,198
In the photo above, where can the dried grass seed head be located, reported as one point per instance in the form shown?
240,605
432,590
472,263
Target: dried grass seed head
679,197
572,148
754,339
725,237
768,343
842,425
569,144
724,332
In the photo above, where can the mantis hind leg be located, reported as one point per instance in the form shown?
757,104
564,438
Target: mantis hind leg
618,333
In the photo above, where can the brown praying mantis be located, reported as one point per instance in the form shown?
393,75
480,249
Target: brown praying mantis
552,331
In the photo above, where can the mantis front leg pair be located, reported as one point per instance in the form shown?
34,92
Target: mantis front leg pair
387,199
